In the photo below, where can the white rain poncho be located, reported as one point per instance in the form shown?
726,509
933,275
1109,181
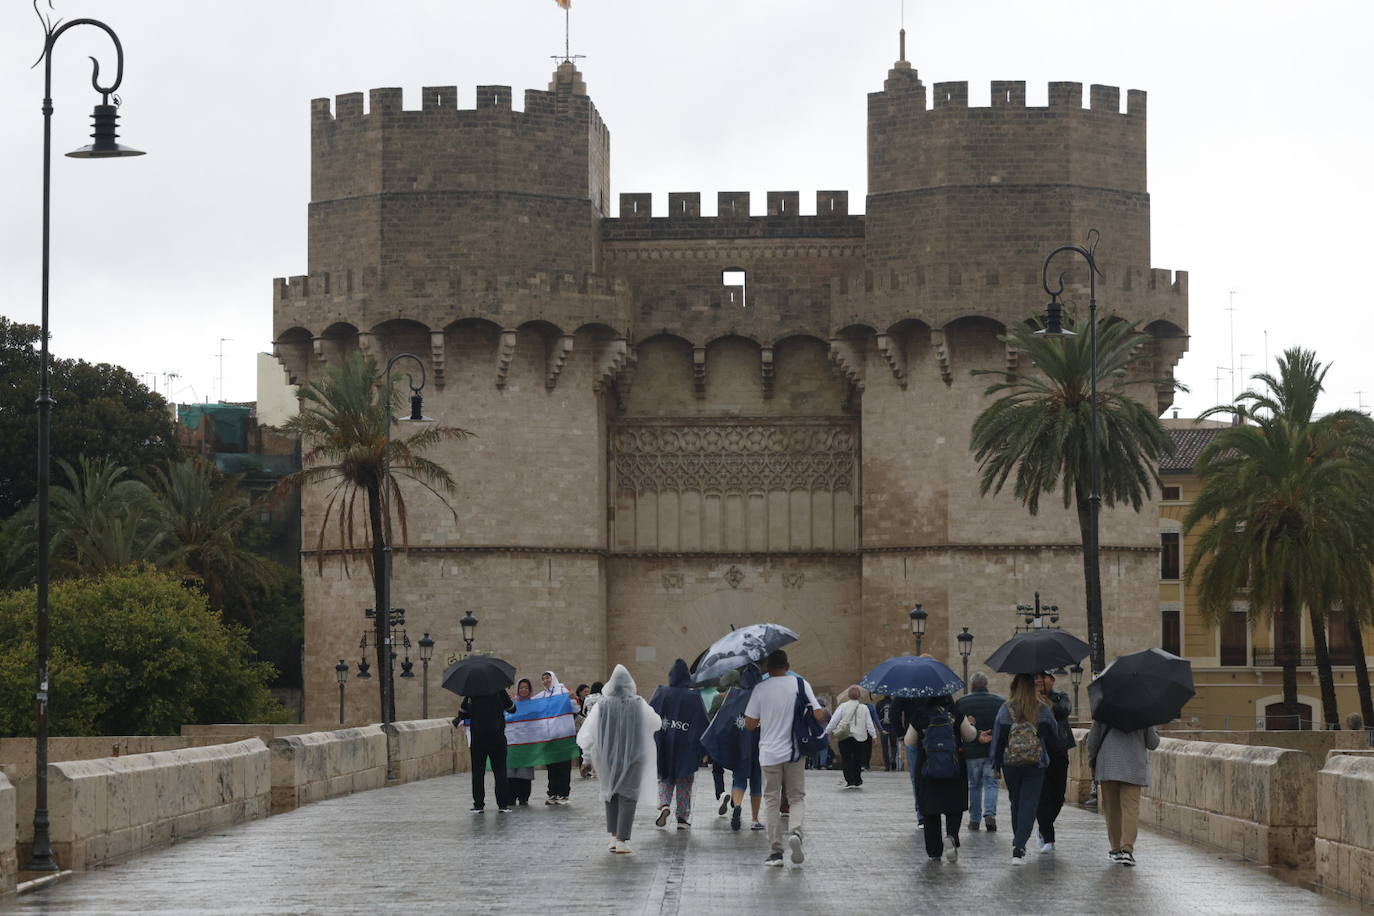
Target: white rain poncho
618,738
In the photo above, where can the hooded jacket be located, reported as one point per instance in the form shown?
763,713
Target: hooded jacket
684,721
726,739
617,739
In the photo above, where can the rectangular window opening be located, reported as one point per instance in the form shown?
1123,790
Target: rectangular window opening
735,283
1169,555
1234,632
1171,493
1171,634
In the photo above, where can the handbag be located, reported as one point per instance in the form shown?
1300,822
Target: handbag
912,736
808,735
846,728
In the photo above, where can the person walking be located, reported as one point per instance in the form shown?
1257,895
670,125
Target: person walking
904,713
1057,773
560,772
853,729
982,784
618,740
1022,731
728,680
886,739
772,711
1120,764
941,775
521,779
678,743
735,747
486,714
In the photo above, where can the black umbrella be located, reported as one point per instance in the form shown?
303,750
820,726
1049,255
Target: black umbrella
477,675
1140,689
1038,650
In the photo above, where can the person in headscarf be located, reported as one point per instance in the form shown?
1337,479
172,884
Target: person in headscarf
679,743
728,741
560,773
618,739
521,779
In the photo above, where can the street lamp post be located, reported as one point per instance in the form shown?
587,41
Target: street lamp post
1076,678
918,617
965,650
1055,328
105,146
341,672
383,615
426,653
469,625
1035,614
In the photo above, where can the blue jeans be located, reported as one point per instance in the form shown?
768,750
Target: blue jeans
751,778
1023,797
982,790
911,771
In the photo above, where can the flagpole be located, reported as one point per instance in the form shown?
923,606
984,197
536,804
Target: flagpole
567,46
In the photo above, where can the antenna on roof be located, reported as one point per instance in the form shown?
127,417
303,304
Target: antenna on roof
568,56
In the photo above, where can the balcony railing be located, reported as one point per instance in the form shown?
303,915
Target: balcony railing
1272,658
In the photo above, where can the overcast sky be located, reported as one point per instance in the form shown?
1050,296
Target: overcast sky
1259,134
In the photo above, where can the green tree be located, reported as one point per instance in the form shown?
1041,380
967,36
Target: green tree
1039,428
102,411
343,426
134,653
1287,511
101,520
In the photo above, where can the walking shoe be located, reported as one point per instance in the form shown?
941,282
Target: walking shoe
1126,858
477,809
724,804
757,826
734,818
952,848
524,803
920,822
974,824
622,847
614,841
663,814
1114,855
683,823
1047,847
794,842
1018,856
503,810
935,858
774,860
551,800
990,824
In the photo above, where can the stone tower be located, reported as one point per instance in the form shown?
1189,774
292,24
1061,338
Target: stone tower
688,422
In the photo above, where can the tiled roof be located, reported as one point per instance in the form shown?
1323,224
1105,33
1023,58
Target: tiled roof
1188,445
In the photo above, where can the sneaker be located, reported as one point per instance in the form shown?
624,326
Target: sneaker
504,810
477,809
794,842
1047,847
774,860
663,814
562,799
551,800
1126,858
614,841
683,823
990,824
1114,855
757,826
974,824
952,848
735,818
622,847
1090,801
724,804
1018,856
920,822
935,858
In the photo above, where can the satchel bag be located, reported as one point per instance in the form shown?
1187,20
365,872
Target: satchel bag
808,735
846,728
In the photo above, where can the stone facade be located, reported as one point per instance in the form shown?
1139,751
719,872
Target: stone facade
688,421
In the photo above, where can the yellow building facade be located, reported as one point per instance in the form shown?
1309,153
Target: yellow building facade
1238,682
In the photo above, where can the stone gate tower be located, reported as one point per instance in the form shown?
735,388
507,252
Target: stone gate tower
686,422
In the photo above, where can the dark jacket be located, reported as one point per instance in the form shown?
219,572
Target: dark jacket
684,721
1064,740
882,723
983,706
1001,733
487,714
726,739
907,711
939,796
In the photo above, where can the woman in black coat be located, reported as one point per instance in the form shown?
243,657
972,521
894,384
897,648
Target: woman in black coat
942,797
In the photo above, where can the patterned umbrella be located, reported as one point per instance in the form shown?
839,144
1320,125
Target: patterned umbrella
740,647
912,676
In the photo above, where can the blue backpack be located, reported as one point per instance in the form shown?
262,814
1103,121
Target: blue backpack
808,735
941,749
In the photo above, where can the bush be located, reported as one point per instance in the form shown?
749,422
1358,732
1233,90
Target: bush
134,653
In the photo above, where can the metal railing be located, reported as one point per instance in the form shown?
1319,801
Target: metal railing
1273,658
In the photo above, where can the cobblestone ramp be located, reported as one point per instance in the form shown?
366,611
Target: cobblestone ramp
416,849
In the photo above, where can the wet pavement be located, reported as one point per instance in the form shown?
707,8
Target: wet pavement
416,849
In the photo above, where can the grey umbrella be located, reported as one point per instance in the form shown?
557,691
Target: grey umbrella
740,647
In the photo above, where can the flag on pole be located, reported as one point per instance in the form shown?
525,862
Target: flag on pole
564,4
541,731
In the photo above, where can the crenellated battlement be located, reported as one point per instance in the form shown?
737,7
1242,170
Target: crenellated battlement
439,107
1064,97
733,219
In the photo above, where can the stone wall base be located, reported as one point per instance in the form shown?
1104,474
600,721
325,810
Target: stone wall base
1288,845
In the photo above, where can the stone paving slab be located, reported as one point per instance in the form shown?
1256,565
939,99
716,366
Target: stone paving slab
415,848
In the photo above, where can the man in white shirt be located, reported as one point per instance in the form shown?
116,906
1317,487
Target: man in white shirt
770,710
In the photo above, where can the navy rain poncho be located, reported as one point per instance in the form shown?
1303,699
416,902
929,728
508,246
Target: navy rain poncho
728,742
618,738
684,721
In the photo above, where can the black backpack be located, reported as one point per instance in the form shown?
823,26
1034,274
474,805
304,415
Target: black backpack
941,749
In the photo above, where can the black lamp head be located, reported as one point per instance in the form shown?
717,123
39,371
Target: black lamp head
965,643
341,670
426,648
363,672
918,617
106,146
1054,320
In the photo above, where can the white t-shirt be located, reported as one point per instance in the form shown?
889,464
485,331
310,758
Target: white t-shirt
772,703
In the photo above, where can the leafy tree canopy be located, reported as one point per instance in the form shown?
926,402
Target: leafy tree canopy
102,411
134,653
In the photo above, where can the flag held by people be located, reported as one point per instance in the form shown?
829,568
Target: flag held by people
541,731
564,4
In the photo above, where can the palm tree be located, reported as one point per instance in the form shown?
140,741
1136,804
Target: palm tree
343,424
1287,511
102,520
1040,429
201,514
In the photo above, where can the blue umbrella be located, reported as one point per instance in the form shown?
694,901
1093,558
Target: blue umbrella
912,676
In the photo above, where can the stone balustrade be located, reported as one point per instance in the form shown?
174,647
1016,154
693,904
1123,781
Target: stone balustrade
109,808
9,860
426,748
320,765
1344,844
